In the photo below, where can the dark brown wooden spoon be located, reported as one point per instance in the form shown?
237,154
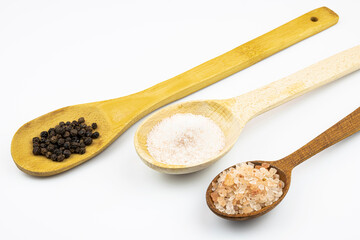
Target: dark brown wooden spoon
341,130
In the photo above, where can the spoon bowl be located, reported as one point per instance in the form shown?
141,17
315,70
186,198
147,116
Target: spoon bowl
222,116
21,146
284,176
341,130
232,114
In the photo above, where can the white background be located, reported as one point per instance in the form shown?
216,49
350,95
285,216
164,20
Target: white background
60,53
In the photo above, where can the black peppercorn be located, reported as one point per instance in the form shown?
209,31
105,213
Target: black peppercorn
95,135
60,158
53,139
53,157
73,132
67,153
82,132
37,151
61,130
57,129
67,145
57,151
43,151
48,155
87,141
50,148
44,134
82,150
61,141
81,120
66,134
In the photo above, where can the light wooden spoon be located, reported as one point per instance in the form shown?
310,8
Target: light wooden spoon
341,130
117,115
232,114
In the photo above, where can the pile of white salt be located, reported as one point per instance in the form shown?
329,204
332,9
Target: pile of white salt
185,139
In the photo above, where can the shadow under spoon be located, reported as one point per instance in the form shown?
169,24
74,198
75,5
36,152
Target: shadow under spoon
341,130
232,114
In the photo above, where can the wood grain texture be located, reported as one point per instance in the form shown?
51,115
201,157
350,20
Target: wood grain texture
116,115
274,94
341,130
231,115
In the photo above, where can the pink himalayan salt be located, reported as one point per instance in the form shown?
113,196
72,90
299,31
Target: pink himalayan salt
185,139
246,188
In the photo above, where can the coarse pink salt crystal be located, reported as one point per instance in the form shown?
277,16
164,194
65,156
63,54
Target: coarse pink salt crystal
214,196
272,171
265,165
229,180
221,201
247,209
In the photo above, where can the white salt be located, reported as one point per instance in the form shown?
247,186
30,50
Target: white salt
185,139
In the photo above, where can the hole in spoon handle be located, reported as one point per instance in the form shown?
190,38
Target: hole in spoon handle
341,130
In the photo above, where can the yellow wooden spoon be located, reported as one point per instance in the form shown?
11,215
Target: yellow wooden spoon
232,114
117,115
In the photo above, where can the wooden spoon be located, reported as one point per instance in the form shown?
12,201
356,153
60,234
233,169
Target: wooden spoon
341,130
117,115
232,114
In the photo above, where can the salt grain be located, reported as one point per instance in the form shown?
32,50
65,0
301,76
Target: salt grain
185,139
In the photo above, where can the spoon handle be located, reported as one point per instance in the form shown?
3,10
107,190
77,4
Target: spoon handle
341,130
265,98
245,55
224,65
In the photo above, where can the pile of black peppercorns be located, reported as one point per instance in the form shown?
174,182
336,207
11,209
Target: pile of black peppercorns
66,138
